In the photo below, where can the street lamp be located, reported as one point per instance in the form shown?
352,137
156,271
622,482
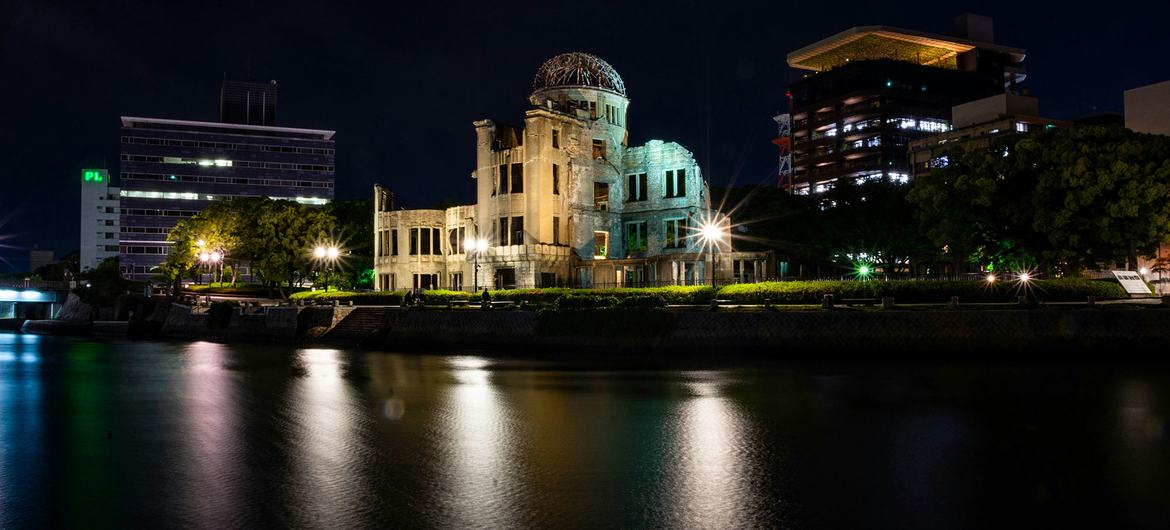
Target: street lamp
475,245
326,255
712,232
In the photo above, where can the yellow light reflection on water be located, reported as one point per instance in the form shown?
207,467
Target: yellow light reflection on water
482,459
713,485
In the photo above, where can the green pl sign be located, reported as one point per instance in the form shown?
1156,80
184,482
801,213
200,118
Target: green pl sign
91,175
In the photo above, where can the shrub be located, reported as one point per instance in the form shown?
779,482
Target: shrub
366,298
671,294
441,296
922,291
642,302
574,302
219,316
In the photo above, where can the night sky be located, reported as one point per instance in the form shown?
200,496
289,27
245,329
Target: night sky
401,82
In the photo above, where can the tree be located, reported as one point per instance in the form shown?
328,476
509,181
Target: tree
871,222
1068,198
1102,194
355,228
280,238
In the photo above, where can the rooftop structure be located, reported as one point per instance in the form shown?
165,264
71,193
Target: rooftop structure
867,43
870,91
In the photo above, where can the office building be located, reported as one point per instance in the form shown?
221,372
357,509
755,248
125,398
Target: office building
870,91
563,200
172,169
100,222
979,122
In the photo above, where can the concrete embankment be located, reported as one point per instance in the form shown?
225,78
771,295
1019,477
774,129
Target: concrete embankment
777,333
782,332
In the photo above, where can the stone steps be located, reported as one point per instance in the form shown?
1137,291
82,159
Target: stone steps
358,324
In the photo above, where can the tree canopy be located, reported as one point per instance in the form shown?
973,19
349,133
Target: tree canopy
1065,199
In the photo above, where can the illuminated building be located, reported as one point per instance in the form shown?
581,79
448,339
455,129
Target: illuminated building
979,122
172,169
872,90
99,218
562,200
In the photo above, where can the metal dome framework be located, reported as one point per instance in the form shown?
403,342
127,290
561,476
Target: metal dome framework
578,69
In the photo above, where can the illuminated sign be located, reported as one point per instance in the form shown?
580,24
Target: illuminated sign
91,175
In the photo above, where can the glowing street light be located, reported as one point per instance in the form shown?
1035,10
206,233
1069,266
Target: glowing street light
326,256
712,232
1025,277
990,278
475,245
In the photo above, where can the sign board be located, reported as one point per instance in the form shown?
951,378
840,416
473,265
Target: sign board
1132,282
91,175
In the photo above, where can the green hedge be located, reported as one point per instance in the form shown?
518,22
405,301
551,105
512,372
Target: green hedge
374,298
574,302
671,295
795,292
436,296
922,291
258,290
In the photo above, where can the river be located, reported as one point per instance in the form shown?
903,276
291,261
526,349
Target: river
200,434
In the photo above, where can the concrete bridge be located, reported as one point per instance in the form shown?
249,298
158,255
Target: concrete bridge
31,300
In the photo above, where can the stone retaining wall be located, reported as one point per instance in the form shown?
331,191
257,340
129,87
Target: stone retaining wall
779,332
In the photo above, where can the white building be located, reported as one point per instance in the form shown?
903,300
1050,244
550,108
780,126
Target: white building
563,200
99,218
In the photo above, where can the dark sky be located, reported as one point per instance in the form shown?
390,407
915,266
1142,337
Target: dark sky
401,82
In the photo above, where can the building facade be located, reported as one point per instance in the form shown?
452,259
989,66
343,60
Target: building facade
873,90
100,218
1147,109
978,122
172,169
561,200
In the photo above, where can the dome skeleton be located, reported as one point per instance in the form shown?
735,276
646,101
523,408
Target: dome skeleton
577,69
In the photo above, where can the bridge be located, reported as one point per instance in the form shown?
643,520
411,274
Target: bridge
29,299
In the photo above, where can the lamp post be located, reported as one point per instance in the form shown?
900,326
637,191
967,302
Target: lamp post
326,256
475,245
712,232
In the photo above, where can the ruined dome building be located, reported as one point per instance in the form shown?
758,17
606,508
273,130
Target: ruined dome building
563,201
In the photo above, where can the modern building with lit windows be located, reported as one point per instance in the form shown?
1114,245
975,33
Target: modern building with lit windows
563,200
870,91
979,122
172,169
100,218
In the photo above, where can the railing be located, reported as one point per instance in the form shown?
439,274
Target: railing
35,284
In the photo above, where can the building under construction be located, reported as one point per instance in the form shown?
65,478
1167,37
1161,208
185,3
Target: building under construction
869,91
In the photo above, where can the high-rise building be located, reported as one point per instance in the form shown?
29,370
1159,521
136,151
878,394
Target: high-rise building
872,90
247,103
100,222
172,169
563,200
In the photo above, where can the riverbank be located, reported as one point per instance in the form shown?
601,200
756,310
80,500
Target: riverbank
842,331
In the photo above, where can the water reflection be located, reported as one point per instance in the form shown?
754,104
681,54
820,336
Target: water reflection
714,481
480,456
21,427
328,451
214,434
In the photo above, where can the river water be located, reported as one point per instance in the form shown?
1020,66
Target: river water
140,434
